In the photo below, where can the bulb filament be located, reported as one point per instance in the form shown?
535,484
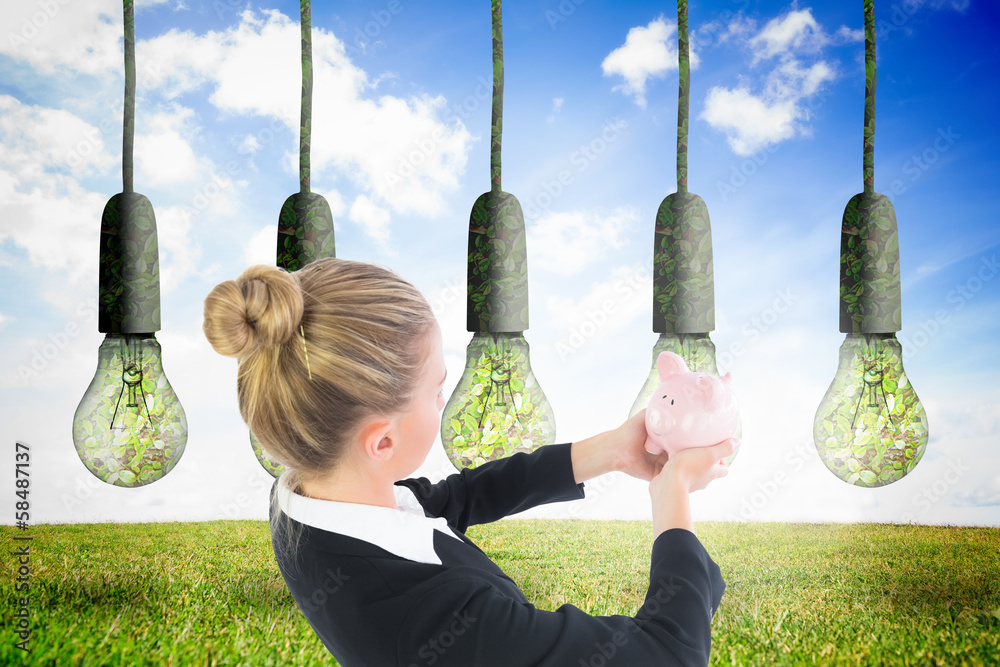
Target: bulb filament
131,378
874,372
500,371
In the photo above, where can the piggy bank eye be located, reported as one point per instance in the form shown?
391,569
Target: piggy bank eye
671,401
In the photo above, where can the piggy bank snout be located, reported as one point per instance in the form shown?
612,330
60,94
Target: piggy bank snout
658,420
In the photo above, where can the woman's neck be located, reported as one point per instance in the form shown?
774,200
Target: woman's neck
355,488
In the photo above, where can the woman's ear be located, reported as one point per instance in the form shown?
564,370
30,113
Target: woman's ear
377,440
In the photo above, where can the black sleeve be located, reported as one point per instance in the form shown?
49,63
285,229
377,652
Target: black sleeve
469,622
498,488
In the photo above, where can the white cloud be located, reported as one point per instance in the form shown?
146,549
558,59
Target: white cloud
84,36
958,5
37,139
399,152
262,247
609,306
45,210
753,121
792,80
750,121
987,493
163,155
739,26
403,155
797,30
647,52
557,103
797,33
178,256
969,419
566,243
845,34
374,220
58,223
55,221
5,320
336,202
250,144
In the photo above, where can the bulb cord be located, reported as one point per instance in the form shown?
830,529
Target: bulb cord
496,132
128,129
869,138
683,94
305,129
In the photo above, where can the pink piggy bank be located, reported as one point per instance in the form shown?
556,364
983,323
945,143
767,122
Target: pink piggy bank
689,409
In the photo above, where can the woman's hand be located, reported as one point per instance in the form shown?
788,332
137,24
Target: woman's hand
630,455
619,450
694,468
686,471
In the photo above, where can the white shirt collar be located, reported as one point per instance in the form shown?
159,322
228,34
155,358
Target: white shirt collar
405,532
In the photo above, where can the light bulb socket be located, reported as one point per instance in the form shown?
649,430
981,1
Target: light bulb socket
869,266
498,266
129,280
305,231
683,277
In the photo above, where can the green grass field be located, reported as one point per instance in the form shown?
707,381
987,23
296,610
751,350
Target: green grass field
211,594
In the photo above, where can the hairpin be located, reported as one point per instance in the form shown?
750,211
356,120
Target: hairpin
305,352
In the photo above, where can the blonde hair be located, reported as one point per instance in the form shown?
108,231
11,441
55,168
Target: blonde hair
366,337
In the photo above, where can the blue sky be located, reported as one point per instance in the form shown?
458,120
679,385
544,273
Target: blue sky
401,151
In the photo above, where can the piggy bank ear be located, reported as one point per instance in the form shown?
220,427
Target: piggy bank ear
705,391
670,363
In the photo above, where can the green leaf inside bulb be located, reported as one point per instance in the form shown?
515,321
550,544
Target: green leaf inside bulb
870,429
497,408
130,428
273,468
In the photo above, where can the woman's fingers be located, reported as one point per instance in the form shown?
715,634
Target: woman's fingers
726,447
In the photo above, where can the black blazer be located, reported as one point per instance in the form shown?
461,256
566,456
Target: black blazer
372,608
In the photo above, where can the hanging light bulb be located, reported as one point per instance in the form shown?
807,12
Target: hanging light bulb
870,428
497,408
305,224
129,428
683,275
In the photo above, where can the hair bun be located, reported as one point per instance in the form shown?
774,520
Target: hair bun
263,307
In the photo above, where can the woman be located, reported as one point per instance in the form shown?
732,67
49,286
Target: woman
341,377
